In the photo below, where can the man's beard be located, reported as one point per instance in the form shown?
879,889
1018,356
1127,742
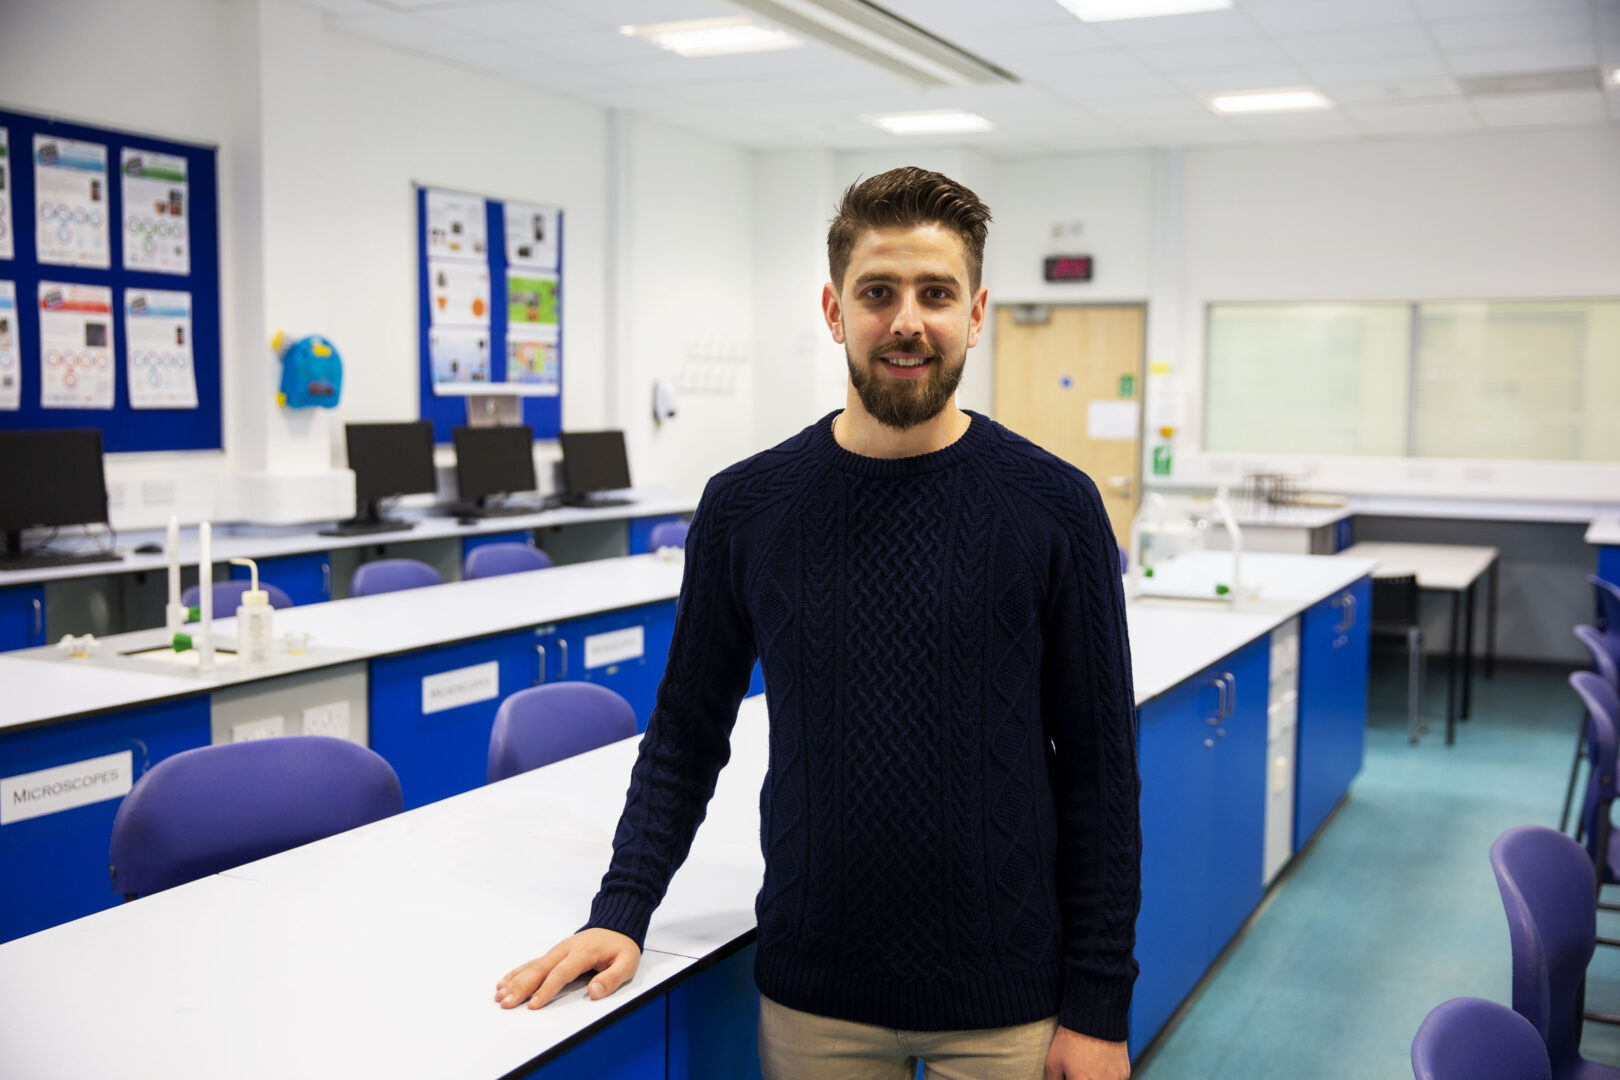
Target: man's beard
905,403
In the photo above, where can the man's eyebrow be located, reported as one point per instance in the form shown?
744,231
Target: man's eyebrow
877,277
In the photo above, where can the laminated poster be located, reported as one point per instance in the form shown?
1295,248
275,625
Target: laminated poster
6,221
532,357
157,340
458,356
531,236
531,299
458,293
75,346
156,212
10,361
71,203
456,226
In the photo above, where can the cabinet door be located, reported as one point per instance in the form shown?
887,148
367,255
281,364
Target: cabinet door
1237,848
1177,760
22,617
641,530
1332,705
307,578
432,710
624,651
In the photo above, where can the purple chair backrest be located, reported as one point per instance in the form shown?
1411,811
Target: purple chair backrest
1602,737
543,724
1608,608
1549,893
493,560
228,594
392,575
1603,661
669,534
215,807
1475,1039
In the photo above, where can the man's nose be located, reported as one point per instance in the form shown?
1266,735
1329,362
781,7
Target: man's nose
908,319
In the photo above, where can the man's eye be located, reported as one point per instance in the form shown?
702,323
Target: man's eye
938,294
876,291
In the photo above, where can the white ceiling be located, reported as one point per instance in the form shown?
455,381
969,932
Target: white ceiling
1390,65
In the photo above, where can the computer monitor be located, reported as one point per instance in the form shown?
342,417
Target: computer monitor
594,461
49,478
491,462
388,460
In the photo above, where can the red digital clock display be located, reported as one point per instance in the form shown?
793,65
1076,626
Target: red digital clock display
1068,268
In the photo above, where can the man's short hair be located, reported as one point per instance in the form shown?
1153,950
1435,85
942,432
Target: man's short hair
906,198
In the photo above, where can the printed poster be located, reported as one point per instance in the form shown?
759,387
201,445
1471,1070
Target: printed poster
6,220
75,346
531,236
456,226
458,355
71,203
458,293
10,360
532,358
531,300
156,212
157,341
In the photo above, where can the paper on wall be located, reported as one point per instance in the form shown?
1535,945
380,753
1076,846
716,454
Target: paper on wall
75,346
157,341
10,359
157,208
456,226
7,226
458,293
1111,419
458,356
531,236
532,357
531,299
71,203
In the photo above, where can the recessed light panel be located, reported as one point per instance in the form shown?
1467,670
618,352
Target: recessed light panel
1264,101
931,122
713,37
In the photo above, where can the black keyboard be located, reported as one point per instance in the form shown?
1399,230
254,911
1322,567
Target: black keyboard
41,560
592,503
506,510
365,528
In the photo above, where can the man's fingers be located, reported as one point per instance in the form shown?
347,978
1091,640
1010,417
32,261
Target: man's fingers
567,970
623,966
517,986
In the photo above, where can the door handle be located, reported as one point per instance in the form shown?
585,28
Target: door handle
1344,624
326,578
541,649
1220,706
562,646
1231,694
1350,602
39,618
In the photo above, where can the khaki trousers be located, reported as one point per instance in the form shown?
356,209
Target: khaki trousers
796,1045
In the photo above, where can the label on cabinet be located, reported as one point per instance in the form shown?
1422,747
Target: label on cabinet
463,686
615,647
64,787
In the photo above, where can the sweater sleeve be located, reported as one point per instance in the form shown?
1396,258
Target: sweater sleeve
688,737
1090,712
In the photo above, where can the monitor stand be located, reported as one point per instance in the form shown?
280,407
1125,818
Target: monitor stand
483,508
12,556
367,520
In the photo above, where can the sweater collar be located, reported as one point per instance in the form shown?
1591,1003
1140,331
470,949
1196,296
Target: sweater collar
826,447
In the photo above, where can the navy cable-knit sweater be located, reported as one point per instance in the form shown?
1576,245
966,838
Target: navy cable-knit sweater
950,817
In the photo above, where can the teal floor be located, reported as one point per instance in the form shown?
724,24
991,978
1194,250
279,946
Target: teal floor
1394,909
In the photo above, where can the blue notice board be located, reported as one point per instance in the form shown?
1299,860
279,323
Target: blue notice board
123,428
543,414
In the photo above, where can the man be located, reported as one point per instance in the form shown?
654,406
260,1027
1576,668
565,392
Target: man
950,820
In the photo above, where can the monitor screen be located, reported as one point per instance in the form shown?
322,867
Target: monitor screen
594,461
391,459
51,478
494,461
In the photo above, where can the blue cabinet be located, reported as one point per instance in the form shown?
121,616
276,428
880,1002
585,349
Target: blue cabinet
22,617
307,578
431,711
1333,654
641,530
1202,755
631,1048
714,1022
53,866
624,651
1608,565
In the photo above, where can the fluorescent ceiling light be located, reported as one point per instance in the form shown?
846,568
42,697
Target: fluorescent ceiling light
1255,101
931,122
1614,77
713,37
1114,10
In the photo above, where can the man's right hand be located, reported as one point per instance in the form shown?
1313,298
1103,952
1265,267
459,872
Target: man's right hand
608,952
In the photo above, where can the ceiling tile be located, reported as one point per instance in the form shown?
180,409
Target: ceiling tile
1414,117
393,28
1009,44
513,19
1175,29
1285,127
1391,91
1192,56
1420,65
1540,110
1543,28
616,13
1354,44
1321,16
1228,80
483,54
962,21
341,7
1522,58
1465,9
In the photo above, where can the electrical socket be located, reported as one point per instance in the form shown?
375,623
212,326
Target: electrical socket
332,720
270,727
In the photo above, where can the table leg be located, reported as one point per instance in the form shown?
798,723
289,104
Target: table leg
1468,651
1490,619
1451,673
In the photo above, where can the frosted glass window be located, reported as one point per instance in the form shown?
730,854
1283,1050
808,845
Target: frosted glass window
1308,378
1529,381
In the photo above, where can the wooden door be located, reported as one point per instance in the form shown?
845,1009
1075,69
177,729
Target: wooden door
1070,379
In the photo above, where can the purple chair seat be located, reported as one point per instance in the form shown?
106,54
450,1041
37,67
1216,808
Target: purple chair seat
493,560
228,595
543,724
392,575
671,534
1475,1039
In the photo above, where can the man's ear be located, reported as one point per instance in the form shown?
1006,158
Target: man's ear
976,316
833,312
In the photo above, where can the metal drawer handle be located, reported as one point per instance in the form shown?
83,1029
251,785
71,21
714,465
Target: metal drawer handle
39,618
326,578
1231,695
541,649
1220,705
563,645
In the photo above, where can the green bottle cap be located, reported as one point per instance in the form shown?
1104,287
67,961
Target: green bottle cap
182,642
1222,590
194,613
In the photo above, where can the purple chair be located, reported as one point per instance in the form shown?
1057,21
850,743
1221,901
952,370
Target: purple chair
542,724
671,534
215,807
1607,594
228,594
1603,738
1547,888
1607,670
493,560
1475,1039
392,575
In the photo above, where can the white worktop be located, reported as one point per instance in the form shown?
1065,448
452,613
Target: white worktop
250,542
1605,528
1452,567
1267,516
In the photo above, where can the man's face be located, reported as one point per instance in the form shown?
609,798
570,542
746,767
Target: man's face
906,317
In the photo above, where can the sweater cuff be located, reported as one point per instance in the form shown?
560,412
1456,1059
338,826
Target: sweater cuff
1095,1006
623,912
